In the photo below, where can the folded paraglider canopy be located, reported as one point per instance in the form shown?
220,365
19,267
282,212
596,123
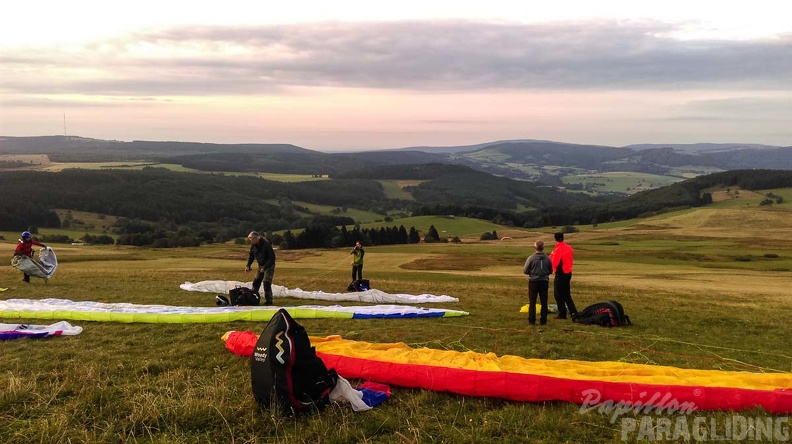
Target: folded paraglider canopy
43,268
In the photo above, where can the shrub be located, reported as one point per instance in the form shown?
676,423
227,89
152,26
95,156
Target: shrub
489,235
569,229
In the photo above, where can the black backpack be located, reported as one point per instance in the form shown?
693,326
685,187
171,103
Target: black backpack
285,371
243,296
606,314
359,285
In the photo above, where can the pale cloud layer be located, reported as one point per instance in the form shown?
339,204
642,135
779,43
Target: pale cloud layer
384,84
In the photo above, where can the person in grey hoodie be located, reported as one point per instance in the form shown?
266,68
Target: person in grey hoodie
538,268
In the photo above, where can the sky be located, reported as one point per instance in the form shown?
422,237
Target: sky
365,75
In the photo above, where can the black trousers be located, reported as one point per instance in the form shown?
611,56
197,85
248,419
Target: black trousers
537,288
357,272
563,294
265,277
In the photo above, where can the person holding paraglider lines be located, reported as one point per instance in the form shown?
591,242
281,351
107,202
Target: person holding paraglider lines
25,248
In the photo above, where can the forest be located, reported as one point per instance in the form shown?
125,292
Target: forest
162,208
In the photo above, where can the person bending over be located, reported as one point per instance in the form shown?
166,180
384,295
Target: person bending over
262,253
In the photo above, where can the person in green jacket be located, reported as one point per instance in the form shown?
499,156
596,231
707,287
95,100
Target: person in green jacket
357,261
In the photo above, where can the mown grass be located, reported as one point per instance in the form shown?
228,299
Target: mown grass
619,182
691,304
394,189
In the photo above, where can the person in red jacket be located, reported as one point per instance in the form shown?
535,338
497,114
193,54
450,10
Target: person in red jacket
25,248
561,259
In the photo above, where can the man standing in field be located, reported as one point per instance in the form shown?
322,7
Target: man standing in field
561,258
357,261
261,251
25,248
538,268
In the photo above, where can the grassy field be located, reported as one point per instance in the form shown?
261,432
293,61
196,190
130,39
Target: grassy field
705,288
619,182
357,215
139,165
394,189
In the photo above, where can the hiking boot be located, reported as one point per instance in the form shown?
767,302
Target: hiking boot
268,302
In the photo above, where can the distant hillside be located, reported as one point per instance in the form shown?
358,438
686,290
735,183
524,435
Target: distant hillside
303,162
155,206
540,161
465,148
81,149
665,159
695,147
545,161
688,193
462,186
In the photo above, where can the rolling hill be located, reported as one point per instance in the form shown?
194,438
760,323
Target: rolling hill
541,161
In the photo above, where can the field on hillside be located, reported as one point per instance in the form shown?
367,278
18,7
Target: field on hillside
394,189
133,165
357,215
619,182
705,288
23,161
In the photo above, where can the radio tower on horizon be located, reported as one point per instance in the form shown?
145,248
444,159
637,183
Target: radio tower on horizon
64,124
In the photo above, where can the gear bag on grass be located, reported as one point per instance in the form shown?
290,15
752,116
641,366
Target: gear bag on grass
285,371
243,296
606,314
359,285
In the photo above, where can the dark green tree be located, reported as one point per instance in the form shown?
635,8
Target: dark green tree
432,235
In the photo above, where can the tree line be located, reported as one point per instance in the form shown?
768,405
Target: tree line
164,208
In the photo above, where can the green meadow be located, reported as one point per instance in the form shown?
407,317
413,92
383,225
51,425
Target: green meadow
705,288
619,182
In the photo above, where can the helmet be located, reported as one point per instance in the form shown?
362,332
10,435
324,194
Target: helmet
221,301
26,235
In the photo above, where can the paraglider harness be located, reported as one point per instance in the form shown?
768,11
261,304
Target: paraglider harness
606,314
359,285
239,296
285,371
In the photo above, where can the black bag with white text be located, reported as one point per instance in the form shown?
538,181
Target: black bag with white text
285,371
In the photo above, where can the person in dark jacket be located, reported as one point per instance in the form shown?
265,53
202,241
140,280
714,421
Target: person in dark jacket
538,268
262,253
25,248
